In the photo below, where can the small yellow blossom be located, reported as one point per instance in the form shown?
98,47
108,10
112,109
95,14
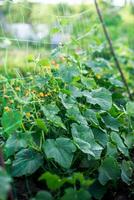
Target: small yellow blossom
11,101
17,88
28,114
98,76
26,93
6,97
33,91
41,94
57,66
7,109
53,62
47,94
62,58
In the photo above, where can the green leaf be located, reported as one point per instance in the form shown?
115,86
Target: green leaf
97,190
116,82
43,195
74,91
53,181
84,139
111,122
79,177
11,121
41,124
89,83
76,194
5,181
111,149
91,116
100,96
75,114
119,143
130,108
109,170
127,171
68,73
15,142
61,150
100,136
97,150
26,162
68,102
128,139
50,111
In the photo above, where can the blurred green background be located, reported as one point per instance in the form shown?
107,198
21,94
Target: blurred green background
33,30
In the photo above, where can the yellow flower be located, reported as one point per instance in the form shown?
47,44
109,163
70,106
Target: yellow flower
57,66
11,101
62,58
33,91
53,62
26,93
47,94
6,97
28,114
98,76
7,109
41,94
17,88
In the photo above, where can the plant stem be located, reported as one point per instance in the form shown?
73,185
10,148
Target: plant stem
112,49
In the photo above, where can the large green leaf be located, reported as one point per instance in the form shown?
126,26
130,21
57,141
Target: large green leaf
67,101
68,73
84,139
89,83
5,181
43,195
127,171
61,150
50,111
111,149
111,122
76,194
116,82
74,91
100,136
130,108
11,121
100,96
15,142
26,162
97,190
109,170
75,114
119,143
128,139
91,116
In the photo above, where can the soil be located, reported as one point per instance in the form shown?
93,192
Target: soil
26,188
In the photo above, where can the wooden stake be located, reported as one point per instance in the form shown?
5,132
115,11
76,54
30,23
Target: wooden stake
112,49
